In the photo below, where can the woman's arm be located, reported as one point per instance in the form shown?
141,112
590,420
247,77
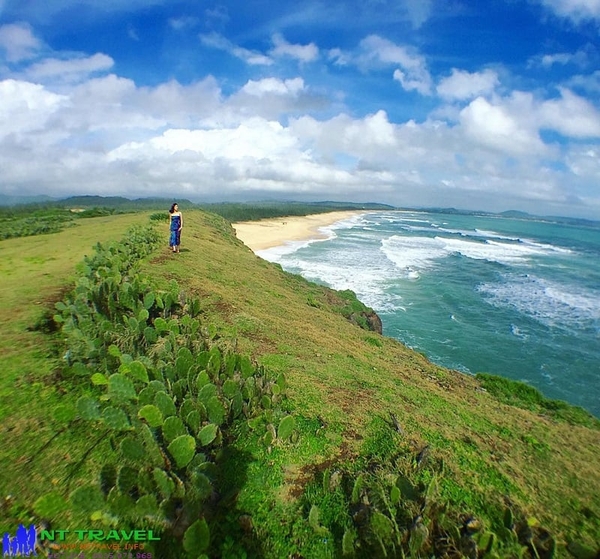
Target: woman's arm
180,221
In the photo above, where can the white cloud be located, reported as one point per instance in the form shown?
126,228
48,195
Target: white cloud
183,22
577,10
562,58
44,12
273,86
412,82
26,107
570,115
580,58
253,58
499,127
512,125
584,161
19,42
462,85
302,53
70,70
107,135
255,139
412,74
589,83
339,57
419,11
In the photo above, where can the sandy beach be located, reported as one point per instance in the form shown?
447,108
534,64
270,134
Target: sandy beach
268,233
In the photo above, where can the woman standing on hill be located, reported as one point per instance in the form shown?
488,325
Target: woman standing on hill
176,225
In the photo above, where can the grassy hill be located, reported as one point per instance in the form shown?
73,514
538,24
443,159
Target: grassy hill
389,454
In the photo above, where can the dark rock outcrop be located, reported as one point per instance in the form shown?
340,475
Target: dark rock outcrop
367,320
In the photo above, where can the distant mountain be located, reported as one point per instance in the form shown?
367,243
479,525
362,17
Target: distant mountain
516,213
576,221
322,204
120,202
7,200
451,211
357,205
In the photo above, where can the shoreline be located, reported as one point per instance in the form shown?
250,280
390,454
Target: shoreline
272,232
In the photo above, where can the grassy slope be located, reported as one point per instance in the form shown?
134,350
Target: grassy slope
340,378
346,376
34,271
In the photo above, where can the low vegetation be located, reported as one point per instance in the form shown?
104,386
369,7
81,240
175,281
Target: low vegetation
51,217
241,411
24,221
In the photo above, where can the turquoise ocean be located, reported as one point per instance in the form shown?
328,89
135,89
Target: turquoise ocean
509,296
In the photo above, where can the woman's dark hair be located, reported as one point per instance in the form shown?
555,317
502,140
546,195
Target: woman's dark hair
173,207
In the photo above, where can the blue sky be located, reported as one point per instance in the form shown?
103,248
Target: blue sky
489,105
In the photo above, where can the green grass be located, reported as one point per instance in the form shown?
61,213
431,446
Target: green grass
338,373
522,395
34,272
487,440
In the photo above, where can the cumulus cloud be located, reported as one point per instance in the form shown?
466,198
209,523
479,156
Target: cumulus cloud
499,127
26,107
255,155
69,70
589,83
219,42
512,125
302,53
273,86
19,42
339,57
571,116
576,10
584,160
581,58
105,134
183,22
122,139
412,72
462,85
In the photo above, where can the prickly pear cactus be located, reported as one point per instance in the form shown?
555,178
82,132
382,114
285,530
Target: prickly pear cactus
161,389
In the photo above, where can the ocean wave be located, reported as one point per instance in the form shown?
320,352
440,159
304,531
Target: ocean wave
277,253
422,252
368,283
551,303
348,223
413,253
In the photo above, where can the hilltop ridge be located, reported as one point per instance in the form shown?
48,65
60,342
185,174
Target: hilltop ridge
350,378
390,449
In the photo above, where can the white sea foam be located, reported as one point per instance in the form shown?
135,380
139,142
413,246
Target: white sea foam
504,253
349,223
409,252
413,253
369,282
275,254
548,302
493,235
546,247
356,266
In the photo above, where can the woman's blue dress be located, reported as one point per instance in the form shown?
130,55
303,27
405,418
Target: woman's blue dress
175,231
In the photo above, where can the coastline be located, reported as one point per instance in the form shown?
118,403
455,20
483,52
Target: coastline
272,232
